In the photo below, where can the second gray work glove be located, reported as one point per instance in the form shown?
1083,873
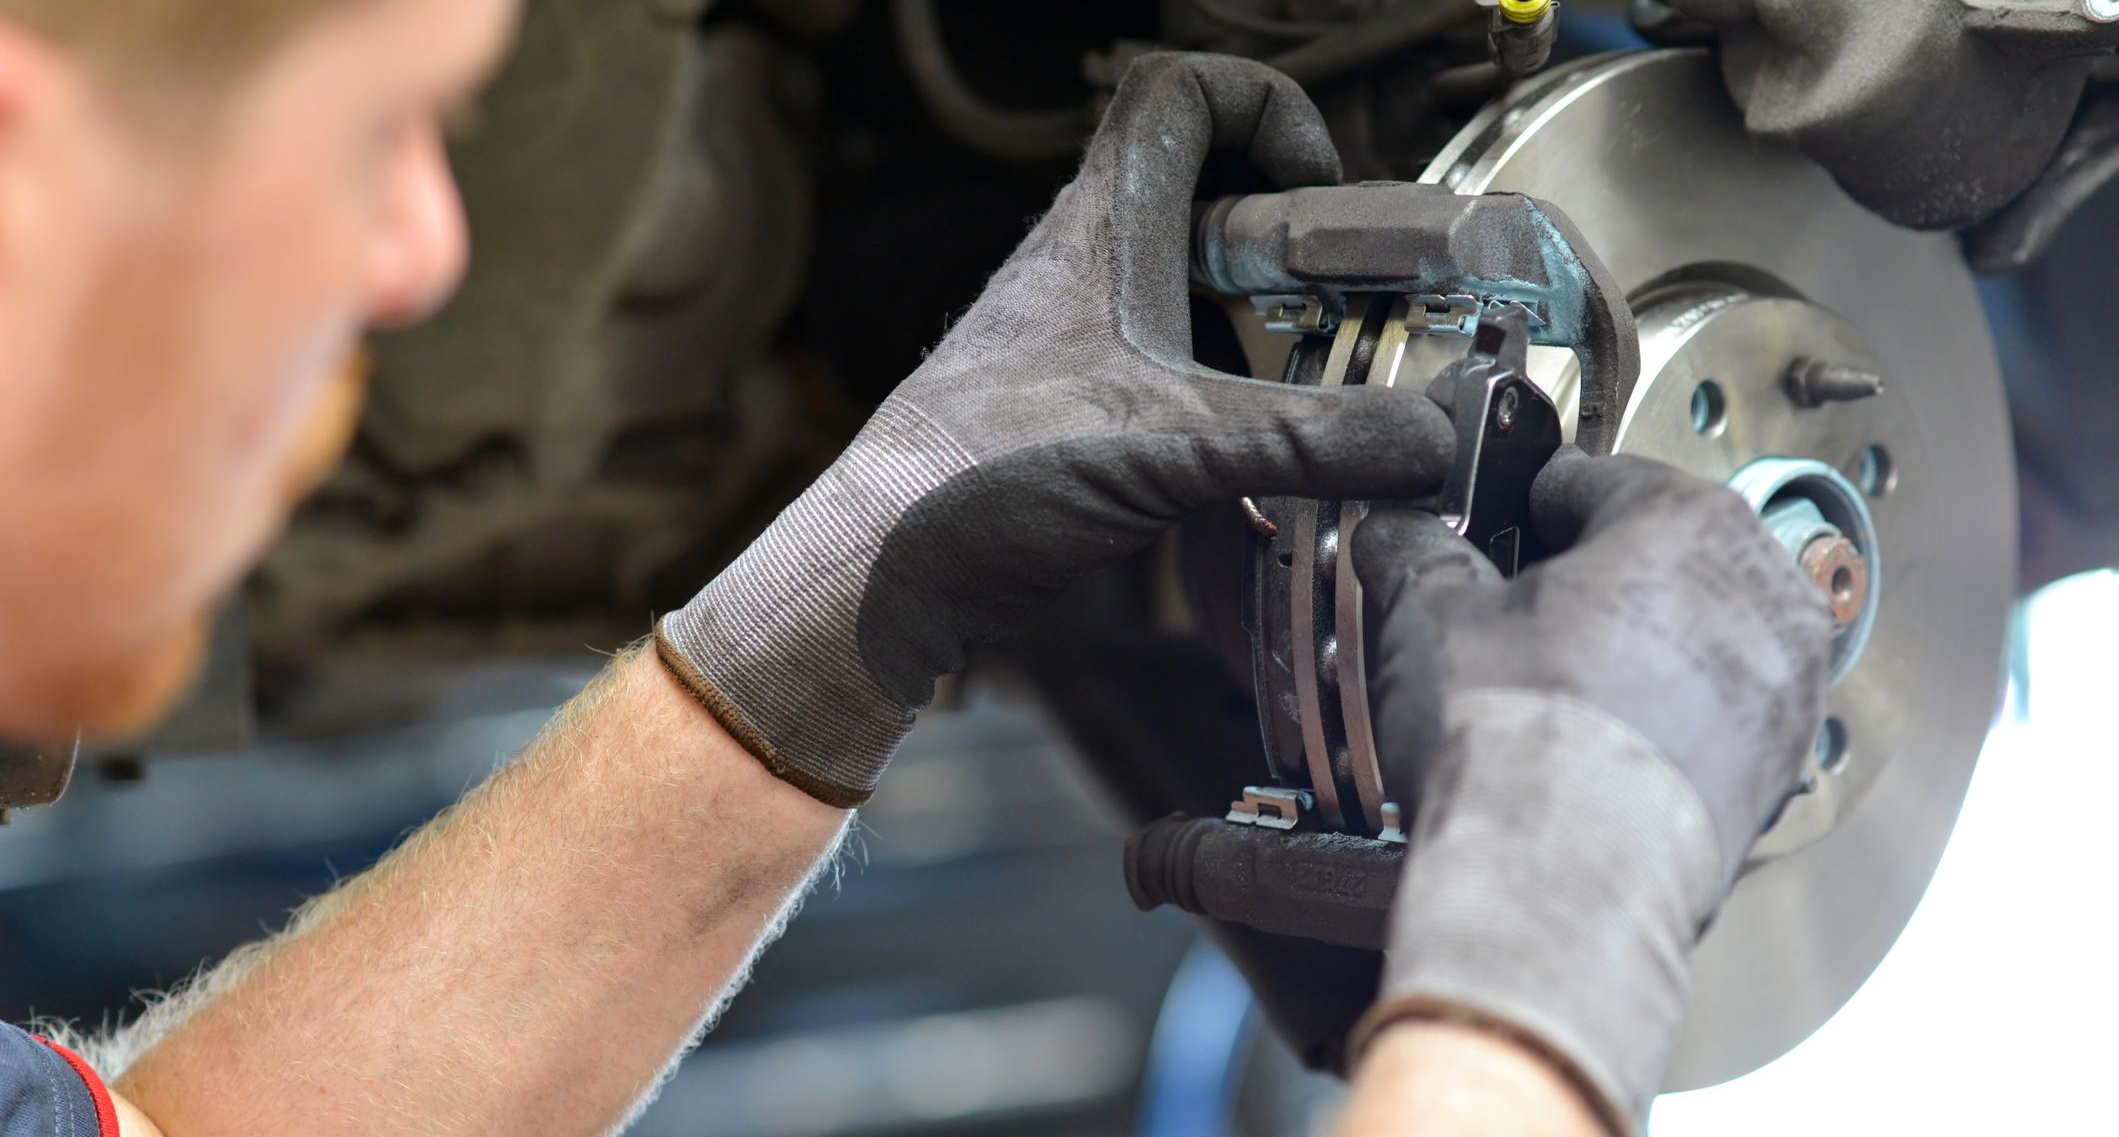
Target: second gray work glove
1591,750
1061,424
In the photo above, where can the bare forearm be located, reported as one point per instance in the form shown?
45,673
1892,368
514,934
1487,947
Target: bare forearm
1444,1080
528,963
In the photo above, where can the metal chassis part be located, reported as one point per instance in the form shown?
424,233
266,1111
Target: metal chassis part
1934,114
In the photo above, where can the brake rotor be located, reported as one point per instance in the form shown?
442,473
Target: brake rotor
1742,260
1742,257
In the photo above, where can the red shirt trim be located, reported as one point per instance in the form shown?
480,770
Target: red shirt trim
106,1112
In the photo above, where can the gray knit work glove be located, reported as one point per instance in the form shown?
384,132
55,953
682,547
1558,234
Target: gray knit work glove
1592,749
1060,425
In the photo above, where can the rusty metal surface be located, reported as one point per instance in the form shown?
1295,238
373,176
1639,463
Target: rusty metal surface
1841,574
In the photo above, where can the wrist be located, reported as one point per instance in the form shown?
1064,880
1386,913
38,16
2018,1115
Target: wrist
1558,871
847,789
1432,1076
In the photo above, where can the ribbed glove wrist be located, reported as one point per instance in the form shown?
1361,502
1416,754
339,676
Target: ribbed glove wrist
772,646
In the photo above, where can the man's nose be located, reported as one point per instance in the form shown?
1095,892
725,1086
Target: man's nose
422,246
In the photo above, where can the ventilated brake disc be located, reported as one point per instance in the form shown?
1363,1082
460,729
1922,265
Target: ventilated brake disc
1743,262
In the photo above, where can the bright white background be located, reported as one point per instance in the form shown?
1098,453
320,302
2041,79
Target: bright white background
1998,1011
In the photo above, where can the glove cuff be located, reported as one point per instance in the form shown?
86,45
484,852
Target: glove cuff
1558,873
772,646
838,795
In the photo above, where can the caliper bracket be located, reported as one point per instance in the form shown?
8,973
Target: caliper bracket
1461,256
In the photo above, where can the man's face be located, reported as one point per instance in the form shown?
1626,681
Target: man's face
178,309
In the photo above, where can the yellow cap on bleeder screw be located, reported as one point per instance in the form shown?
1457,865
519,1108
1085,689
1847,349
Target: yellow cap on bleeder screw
1524,11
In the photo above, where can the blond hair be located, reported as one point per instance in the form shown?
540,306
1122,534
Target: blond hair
151,42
